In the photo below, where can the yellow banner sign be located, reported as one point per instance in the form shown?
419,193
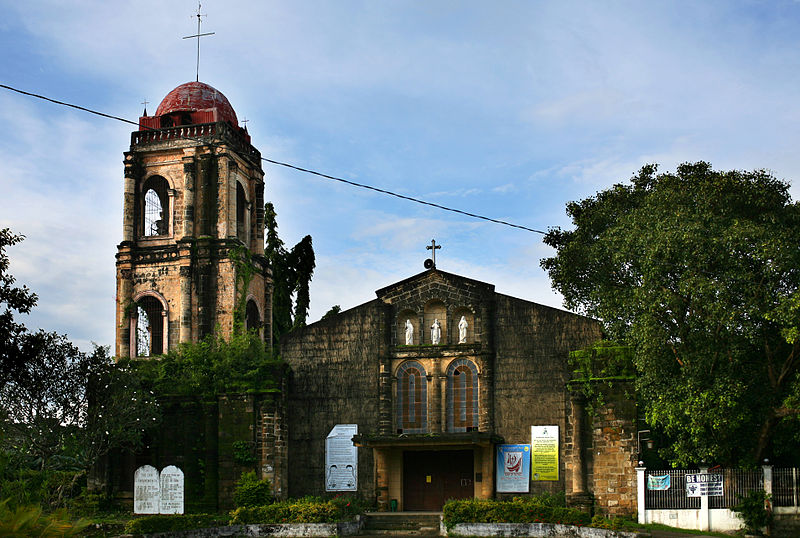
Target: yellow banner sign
544,453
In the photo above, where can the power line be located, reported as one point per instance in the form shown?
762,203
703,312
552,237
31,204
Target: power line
294,167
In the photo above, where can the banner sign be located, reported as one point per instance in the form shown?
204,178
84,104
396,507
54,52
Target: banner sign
658,482
341,459
702,485
544,452
513,468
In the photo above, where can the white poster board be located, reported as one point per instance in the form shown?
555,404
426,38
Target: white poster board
171,490
146,490
341,459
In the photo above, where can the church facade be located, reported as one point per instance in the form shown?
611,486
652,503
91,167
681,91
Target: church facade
437,373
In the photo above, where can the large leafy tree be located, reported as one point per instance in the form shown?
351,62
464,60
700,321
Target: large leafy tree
698,271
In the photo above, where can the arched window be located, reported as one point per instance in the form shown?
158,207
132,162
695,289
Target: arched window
252,316
241,211
462,396
412,398
156,207
149,327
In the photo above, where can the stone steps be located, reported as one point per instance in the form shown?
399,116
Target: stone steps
401,523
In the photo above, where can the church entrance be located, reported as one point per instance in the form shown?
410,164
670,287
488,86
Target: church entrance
430,477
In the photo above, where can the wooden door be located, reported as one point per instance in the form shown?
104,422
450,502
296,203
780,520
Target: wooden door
430,477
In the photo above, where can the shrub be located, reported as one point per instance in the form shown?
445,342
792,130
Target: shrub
752,510
518,510
305,510
250,491
173,523
30,521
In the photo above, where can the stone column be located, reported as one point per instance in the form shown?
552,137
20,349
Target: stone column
704,510
437,414
165,331
186,304
129,199
188,196
382,479
485,395
124,313
385,403
578,411
580,497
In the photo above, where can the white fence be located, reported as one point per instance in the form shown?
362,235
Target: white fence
701,499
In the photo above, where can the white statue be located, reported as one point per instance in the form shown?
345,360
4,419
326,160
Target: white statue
409,333
462,330
436,332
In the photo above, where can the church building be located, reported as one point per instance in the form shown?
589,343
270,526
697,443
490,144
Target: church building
429,380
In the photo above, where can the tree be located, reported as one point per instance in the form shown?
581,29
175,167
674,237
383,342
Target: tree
698,271
12,299
67,408
291,275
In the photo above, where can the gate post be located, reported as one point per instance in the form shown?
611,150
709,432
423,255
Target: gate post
704,510
640,487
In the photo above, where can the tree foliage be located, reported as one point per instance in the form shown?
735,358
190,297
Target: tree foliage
12,299
68,408
213,366
291,275
698,271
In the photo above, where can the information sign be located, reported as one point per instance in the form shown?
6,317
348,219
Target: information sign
702,485
341,459
544,452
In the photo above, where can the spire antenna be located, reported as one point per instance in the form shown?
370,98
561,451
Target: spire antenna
198,35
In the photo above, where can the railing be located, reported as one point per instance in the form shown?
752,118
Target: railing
736,484
673,496
785,484
200,130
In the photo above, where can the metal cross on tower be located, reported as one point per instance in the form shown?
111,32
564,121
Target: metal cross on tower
433,247
198,35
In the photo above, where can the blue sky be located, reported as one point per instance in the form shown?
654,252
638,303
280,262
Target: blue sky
507,109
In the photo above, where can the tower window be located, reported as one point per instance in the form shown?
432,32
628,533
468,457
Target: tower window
252,316
241,211
156,207
149,327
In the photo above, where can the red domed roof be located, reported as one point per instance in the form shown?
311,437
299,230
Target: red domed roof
197,96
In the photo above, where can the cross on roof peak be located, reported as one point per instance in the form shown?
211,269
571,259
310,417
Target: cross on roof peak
433,247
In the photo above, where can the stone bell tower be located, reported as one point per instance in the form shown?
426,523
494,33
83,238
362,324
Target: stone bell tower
192,252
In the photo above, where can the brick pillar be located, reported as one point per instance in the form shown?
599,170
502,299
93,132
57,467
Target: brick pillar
124,291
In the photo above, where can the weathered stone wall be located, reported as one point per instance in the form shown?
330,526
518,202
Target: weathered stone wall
335,367
210,441
531,370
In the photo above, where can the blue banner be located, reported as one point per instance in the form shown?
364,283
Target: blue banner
658,482
513,468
